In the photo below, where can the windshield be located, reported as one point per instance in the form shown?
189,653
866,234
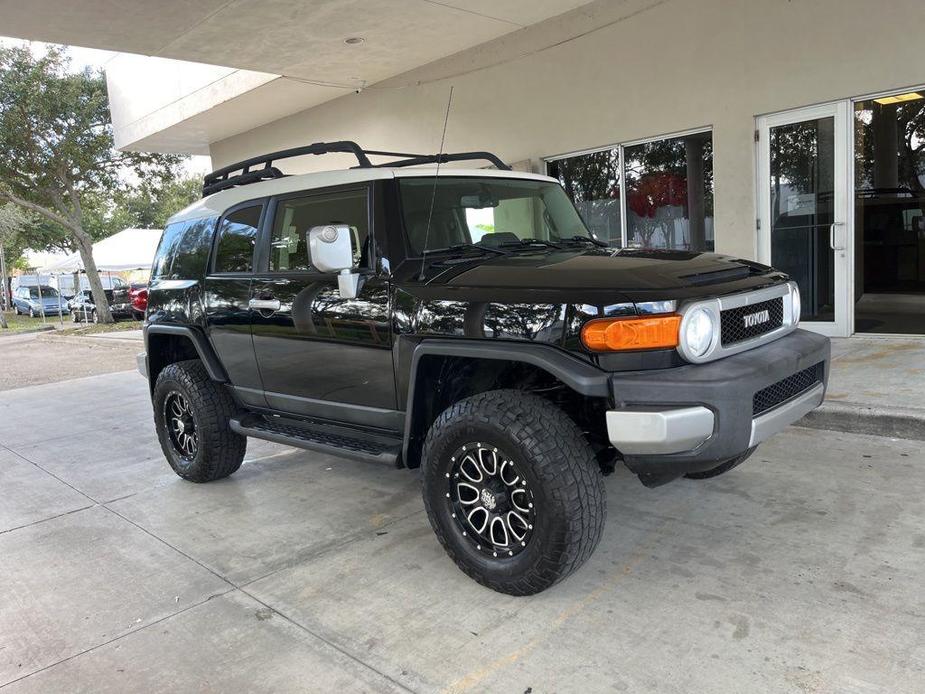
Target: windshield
486,211
46,292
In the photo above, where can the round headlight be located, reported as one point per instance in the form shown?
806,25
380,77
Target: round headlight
795,303
698,331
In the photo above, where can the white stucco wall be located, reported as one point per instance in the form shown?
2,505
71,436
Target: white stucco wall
148,95
659,66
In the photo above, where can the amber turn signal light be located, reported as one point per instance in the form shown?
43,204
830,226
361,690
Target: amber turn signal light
616,334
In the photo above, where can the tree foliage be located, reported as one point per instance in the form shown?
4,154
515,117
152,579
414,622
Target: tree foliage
59,160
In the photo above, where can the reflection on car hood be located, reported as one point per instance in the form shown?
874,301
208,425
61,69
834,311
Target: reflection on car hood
602,269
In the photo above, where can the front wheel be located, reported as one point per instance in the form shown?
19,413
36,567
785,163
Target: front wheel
191,415
512,490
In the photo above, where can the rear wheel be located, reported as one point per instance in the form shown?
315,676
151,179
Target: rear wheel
31,312
512,490
723,467
191,414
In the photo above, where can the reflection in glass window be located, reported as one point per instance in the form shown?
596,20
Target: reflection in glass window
802,195
669,193
592,181
296,216
668,186
236,239
889,215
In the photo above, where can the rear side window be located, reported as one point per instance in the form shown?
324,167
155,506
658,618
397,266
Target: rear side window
237,236
184,250
192,250
163,259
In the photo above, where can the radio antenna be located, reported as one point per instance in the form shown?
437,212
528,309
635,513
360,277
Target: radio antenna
433,192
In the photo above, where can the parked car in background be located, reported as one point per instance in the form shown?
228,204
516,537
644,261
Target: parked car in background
138,297
65,282
82,307
38,301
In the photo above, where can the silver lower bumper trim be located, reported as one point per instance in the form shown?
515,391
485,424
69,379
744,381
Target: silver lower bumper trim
141,361
646,431
770,423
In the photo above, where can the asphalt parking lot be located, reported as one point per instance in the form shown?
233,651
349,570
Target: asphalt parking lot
800,571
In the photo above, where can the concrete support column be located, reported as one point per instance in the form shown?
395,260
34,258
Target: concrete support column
886,143
693,149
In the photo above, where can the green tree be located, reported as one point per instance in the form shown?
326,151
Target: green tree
148,206
13,222
59,160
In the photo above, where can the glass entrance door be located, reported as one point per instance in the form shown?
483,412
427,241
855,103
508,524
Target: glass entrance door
803,225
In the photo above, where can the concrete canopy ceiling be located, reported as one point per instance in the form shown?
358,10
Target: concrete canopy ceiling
303,39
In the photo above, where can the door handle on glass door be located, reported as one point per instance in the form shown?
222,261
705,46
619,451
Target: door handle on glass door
264,304
833,232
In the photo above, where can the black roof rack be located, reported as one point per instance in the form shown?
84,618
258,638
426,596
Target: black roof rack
224,178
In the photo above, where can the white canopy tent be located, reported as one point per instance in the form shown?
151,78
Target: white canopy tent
36,259
130,249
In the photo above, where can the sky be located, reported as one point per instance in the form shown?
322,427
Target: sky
95,58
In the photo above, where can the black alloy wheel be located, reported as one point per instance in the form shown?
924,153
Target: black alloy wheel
192,416
490,500
512,490
181,425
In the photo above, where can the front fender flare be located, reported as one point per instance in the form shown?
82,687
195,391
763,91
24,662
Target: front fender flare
581,376
209,359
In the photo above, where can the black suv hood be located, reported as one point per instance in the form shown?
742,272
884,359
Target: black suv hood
603,274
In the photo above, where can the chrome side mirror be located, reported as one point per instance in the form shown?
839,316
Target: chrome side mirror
331,250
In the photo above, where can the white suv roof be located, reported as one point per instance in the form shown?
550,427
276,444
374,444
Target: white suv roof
217,203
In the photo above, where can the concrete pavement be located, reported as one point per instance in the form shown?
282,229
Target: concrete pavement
875,387
34,358
799,571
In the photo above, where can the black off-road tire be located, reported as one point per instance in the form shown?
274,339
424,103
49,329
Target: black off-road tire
220,451
722,468
554,459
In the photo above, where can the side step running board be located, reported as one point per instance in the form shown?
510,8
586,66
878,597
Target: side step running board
322,438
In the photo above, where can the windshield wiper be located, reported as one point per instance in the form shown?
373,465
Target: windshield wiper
456,247
526,243
585,239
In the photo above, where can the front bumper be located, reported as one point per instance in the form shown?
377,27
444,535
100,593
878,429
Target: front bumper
141,362
692,418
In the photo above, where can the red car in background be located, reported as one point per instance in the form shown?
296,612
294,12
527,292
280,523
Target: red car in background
138,298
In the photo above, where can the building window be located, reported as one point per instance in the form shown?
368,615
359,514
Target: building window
592,181
655,194
889,213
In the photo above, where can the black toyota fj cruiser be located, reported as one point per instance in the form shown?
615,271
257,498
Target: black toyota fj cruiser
465,322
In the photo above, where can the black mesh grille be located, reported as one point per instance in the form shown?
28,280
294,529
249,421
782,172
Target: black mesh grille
733,320
777,393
